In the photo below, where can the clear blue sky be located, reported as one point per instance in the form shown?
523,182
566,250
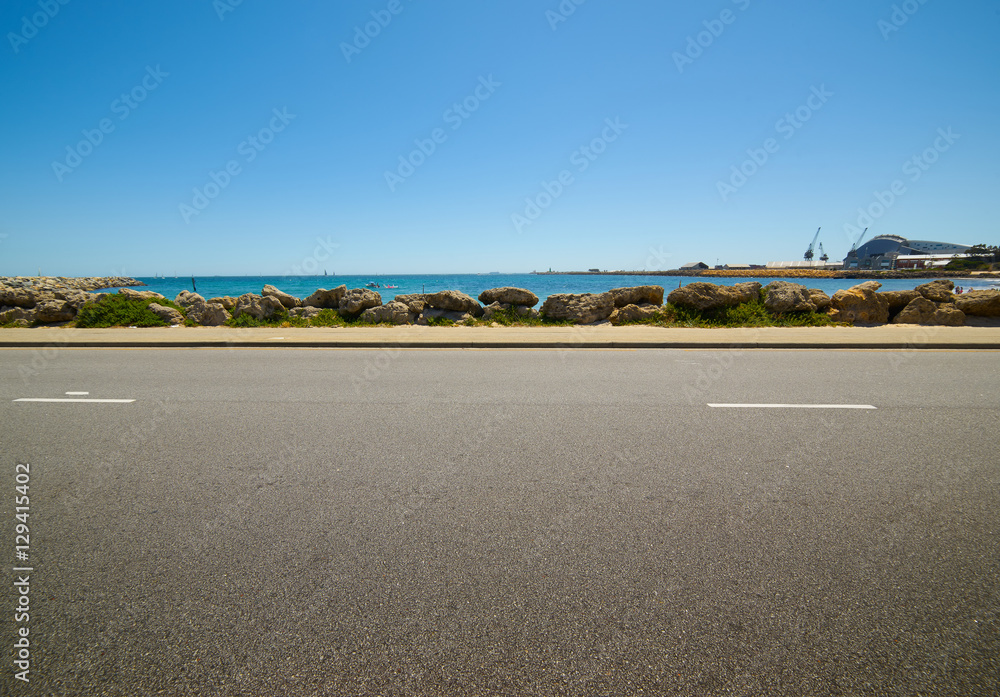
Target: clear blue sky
646,194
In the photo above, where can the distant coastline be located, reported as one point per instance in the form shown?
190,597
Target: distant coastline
784,273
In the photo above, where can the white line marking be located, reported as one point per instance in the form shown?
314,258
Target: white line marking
78,394
89,401
792,406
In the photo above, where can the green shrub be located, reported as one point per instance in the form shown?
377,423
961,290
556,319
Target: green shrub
116,310
245,321
751,314
328,318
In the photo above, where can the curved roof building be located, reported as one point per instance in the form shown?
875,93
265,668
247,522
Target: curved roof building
881,252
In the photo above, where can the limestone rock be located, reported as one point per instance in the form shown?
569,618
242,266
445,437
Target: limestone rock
585,308
326,299
782,296
860,303
226,301
940,291
17,315
415,301
17,297
637,295
257,306
392,313
167,314
77,299
820,299
208,314
54,311
454,301
981,303
186,297
508,296
306,312
898,299
634,313
357,300
708,296
923,311
287,301
948,315
140,294
494,308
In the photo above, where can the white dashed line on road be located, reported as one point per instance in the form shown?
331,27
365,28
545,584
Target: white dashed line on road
792,406
76,401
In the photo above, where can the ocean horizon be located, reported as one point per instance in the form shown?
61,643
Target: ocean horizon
473,284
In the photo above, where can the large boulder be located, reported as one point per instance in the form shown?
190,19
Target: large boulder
861,303
287,301
634,313
54,311
226,301
257,306
76,299
585,308
140,294
898,299
508,296
186,297
820,299
708,296
415,301
637,295
390,313
948,315
14,296
923,311
940,291
357,300
208,314
18,315
454,301
782,296
326,299
981,303
305,312
167,314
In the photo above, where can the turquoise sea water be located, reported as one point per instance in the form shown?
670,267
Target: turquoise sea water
474,284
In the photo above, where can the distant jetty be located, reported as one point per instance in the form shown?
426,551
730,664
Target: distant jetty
62,283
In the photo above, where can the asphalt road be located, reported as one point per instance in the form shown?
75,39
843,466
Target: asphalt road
333,522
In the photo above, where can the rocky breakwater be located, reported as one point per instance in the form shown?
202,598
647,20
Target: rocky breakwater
932,303
28,300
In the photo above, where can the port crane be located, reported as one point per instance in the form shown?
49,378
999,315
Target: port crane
809,252
854,247
823,256
853,254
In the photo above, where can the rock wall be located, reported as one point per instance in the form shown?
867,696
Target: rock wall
25,302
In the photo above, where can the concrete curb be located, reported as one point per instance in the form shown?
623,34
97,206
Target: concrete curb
625,338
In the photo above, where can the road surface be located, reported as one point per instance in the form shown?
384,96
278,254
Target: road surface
337,522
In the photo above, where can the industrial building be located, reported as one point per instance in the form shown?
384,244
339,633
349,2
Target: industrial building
892,251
